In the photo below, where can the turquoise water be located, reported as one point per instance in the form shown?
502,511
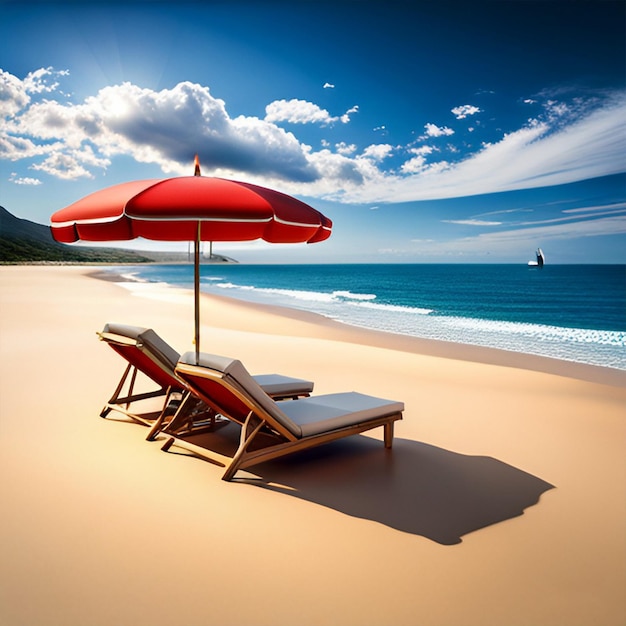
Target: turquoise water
570,312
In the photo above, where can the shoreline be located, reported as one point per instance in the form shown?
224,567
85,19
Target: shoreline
340,331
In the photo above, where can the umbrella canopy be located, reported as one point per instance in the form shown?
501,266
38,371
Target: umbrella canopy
190,208
172,209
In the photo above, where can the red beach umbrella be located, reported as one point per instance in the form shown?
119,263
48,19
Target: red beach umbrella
190,208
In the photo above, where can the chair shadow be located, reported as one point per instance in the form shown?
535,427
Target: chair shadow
415,487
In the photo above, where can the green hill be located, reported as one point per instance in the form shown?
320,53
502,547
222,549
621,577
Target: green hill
23,241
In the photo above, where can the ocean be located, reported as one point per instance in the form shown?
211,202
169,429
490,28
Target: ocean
569,312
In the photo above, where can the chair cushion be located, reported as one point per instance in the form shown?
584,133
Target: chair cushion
279,385
237,375
320,414
146,336
159,347
132,332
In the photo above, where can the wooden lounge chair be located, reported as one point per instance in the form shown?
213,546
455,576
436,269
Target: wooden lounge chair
271,429
149,354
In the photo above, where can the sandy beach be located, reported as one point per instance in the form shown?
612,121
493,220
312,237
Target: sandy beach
502,501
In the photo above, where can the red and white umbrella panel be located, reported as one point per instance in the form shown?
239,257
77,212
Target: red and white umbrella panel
171,209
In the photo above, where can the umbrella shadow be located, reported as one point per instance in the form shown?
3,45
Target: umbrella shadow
416,488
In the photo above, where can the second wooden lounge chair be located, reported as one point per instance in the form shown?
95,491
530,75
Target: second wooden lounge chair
271,429
149,354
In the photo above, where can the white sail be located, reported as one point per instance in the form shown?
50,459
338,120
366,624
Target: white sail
541,259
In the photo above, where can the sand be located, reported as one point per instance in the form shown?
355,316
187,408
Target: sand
502,501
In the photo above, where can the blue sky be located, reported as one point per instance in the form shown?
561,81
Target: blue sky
428,131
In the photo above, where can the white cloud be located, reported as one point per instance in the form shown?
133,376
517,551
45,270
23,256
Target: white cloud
296,112
15,148
505,212
336,169
422,150
15,94
414,165
24,180
345,149
461,112
166,127
438,167
418,165
472,222
302,112
345,118
63,165
432,130
377,152
616,206
328,86
38,81
556,109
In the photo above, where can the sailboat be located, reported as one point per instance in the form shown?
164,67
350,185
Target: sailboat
541,259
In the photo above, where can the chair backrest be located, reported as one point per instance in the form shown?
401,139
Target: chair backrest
144,349
227,385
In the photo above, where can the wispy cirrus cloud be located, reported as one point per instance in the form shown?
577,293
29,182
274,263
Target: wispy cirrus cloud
588,213
550,232
472,222
519,241
517,237
601,208
540,154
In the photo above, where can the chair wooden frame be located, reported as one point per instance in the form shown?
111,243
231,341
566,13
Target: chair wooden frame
258,424
144,361
145,352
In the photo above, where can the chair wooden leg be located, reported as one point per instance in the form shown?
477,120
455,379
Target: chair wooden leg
158,424
132,386
116,394
248,433
168,444
388,434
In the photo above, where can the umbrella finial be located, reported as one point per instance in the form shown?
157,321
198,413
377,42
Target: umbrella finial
196,171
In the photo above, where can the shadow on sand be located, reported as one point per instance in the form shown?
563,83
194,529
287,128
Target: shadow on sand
415,487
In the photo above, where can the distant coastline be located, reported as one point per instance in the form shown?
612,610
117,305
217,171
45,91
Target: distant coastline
23,242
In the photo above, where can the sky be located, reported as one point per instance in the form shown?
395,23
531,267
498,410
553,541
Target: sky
428,131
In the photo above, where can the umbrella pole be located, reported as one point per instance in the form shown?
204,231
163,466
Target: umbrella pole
196,290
